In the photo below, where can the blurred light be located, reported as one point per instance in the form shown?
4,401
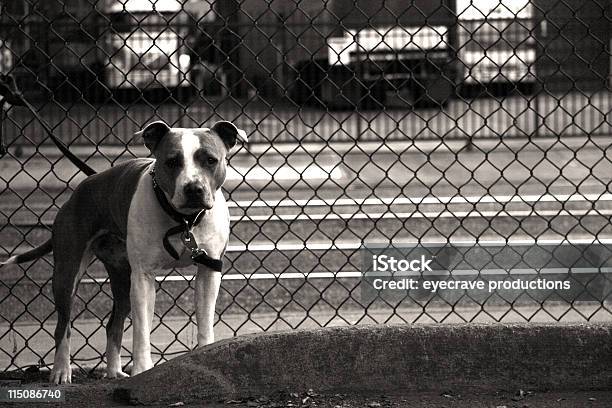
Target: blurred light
184,61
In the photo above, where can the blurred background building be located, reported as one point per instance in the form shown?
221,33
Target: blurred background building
310,51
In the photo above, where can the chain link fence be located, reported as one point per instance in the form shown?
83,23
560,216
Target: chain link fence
385,122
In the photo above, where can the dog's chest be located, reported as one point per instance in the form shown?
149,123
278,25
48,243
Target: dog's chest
148,224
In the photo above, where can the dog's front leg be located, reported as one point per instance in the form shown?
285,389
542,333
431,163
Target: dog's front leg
142,299
206,290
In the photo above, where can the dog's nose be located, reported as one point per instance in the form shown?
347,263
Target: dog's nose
194,192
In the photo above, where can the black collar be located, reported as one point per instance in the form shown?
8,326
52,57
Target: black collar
186,223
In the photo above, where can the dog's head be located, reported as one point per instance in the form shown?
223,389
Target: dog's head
191,163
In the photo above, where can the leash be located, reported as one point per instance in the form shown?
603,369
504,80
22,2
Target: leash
186,223
12,95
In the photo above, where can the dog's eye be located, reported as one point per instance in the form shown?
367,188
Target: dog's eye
212,161
173,162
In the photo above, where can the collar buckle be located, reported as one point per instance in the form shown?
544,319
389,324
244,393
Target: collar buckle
196,252
189,240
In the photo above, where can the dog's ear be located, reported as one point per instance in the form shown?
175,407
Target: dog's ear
153,133
228,132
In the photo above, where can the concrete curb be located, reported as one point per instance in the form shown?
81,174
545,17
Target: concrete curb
376,359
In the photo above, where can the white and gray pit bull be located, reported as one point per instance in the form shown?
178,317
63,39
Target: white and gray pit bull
141,218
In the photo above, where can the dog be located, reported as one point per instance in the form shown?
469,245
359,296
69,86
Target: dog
141,218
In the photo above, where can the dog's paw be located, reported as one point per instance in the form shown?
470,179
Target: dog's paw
138,368
113,374
61,374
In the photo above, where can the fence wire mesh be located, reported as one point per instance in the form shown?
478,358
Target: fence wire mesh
369,121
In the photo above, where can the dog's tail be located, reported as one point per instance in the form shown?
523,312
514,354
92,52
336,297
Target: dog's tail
30,255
